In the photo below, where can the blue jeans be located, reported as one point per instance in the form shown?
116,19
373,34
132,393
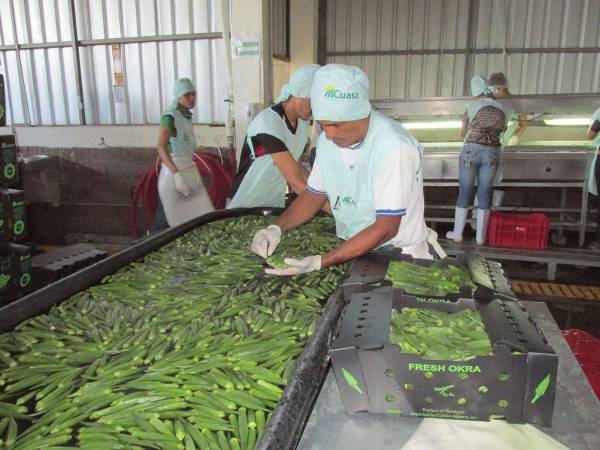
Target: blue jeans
481,162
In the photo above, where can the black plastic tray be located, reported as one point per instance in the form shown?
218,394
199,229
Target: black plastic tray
285,427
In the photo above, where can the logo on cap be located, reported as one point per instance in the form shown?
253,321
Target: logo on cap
332,92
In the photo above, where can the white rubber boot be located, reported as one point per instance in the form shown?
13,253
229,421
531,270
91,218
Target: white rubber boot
460,217
483,216
473,221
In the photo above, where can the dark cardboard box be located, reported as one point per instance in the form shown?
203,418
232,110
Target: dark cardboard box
2,103
9,174
372,268
7,289
13,215
16,262
517,383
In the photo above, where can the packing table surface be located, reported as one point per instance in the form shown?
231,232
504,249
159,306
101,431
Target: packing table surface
576,419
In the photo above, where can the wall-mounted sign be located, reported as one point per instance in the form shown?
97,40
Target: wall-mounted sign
246,45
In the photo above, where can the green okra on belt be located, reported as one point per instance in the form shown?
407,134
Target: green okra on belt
189,348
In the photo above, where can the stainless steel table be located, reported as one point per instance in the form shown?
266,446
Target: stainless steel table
576,421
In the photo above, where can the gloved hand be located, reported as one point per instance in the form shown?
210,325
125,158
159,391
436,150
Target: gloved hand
265,241
513,140
298,266
432,240
181,185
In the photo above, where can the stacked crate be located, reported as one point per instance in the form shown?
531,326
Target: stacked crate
15,254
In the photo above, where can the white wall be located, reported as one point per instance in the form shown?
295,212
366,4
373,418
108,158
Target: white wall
99,136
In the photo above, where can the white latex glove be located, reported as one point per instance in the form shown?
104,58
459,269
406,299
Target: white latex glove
181,185
432,239
298,266
265,241
513,140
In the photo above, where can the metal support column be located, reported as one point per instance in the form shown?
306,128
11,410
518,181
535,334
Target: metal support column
77,62
584,210
471,32
19,65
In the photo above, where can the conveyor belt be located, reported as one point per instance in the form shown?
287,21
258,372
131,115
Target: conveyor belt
555,291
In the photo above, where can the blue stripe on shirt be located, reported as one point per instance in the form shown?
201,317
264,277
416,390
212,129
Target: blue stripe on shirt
315,191
391,212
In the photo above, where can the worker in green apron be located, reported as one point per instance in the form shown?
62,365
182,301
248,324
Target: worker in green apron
594,174
368,167
181,190
275,141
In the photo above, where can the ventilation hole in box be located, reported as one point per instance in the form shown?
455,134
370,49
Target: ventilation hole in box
483,389
389,398
503,376
357,335
461,401
502,403
408,387
428,400
363,310
367,298
388,373
365,304
359,326
362,318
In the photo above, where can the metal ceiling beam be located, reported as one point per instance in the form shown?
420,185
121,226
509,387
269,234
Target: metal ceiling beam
123,40
584,104
462,51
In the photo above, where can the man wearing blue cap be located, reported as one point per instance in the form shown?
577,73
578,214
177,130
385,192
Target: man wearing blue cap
369,168
275,141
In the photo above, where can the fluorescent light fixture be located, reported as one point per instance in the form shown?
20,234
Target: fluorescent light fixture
568,121
440,124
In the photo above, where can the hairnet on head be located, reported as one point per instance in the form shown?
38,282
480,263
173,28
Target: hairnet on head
340,93
182,86
498,79
480,87
300,83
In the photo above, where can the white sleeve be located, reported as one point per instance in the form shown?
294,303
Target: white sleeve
315,181
396,181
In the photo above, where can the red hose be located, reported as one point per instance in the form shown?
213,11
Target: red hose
209,165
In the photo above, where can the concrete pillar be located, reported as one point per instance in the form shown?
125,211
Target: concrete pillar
304,22
252,76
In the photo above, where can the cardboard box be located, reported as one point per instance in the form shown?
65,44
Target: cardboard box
517,383
22,268
6,278
9,174
15,271
2,103
13,215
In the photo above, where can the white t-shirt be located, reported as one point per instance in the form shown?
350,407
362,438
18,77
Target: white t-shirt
397,190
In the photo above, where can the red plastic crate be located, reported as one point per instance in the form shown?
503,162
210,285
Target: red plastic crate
586,349
528,231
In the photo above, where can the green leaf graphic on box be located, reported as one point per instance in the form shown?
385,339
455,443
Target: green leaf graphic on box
541,389
4,280
10,171
19,227
351,380
445,391
25,280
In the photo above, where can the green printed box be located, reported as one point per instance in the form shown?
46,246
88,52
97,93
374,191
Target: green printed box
13,215
514,379
9,175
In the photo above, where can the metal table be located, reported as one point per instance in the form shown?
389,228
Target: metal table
575,422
